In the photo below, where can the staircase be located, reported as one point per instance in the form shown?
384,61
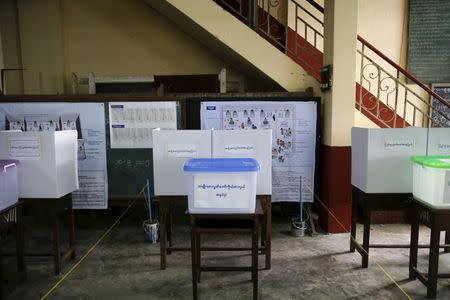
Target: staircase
385,93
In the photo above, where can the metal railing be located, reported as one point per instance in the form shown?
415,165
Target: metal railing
386,93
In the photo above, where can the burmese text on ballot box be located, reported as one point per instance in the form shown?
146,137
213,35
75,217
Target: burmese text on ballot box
222,185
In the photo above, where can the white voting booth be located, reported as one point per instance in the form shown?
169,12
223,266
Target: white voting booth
48,161
172,148
381,158
255,144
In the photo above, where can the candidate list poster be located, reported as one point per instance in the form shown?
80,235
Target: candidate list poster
293,127
89,121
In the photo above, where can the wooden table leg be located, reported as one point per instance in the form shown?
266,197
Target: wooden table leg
268,230
447,240
20,244
56,244
194,259
433,261
71,231
366,238
2,280
255,257
413,246
162,232
353,220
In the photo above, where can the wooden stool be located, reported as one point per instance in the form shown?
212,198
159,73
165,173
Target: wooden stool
220,224
165,221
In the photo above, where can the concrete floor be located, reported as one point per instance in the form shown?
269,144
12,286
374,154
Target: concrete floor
123,266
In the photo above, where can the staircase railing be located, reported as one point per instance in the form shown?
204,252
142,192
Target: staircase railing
385,95
385,92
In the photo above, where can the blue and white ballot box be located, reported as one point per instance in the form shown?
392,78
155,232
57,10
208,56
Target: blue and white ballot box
431,180
222,185
9,187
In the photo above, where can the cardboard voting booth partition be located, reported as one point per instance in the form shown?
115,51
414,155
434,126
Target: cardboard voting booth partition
48,161
255,144
171,149
381,158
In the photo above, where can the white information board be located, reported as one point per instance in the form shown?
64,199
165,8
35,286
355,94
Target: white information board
293,125
255,144
381,158
171,149
131,123
89,121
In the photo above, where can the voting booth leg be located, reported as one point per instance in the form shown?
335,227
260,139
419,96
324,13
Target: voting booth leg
71,226
20,244
56,245
194,258
413,247
163,231
433,261
267,229
2,292
447,241
255,257
366,238
353,221
312,226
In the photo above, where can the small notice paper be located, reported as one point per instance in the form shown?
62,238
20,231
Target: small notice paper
25,148
398,144
174,150
239,149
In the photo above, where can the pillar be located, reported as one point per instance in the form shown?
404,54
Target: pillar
340,35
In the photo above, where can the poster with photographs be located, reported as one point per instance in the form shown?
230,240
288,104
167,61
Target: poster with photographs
131,123
293,127
88,119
